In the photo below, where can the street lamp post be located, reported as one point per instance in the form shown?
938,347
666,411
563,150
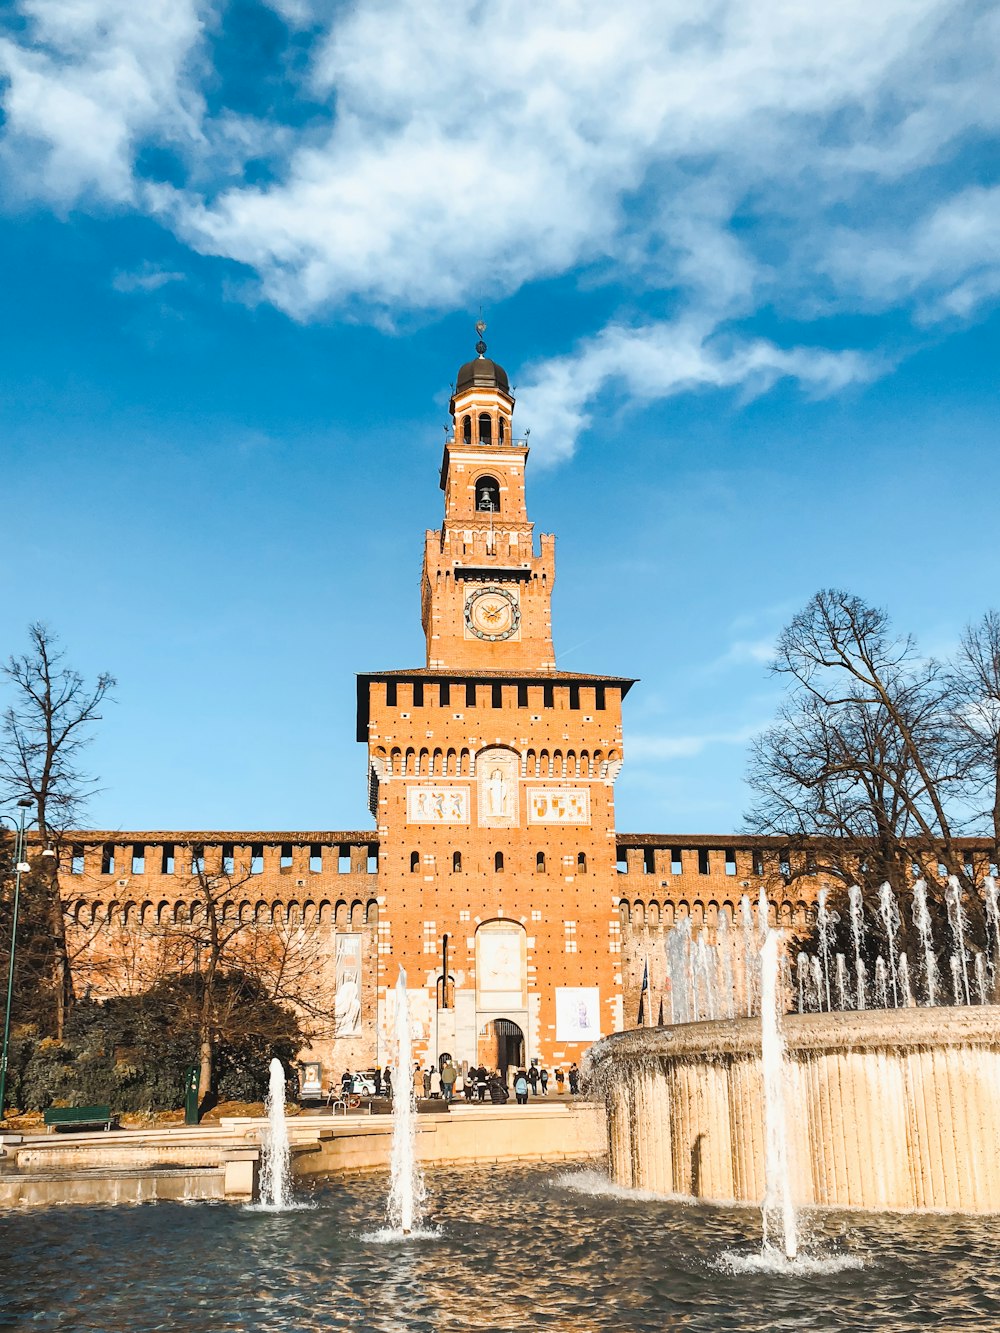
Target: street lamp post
21,867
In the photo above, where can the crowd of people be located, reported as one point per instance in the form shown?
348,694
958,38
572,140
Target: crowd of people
473,1083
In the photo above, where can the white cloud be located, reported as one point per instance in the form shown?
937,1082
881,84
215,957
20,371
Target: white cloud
148,278
732,158
662,360
950,257
686,747
91,79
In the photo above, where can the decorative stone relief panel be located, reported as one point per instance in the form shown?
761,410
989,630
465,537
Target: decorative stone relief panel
558,805
437,805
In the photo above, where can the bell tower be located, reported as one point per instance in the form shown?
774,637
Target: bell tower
486,594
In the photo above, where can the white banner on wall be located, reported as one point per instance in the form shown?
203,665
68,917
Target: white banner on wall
347,1005
578,1013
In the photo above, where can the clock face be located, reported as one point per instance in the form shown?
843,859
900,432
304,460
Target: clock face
492,614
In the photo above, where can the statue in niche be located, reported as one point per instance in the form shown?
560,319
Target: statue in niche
497,790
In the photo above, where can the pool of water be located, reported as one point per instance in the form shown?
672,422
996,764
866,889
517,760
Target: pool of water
510,1248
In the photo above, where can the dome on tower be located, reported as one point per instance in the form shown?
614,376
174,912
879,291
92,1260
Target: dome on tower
482,373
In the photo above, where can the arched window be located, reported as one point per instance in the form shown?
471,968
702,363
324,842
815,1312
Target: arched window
540,863
581,862
498,861
488,495
467,430
414,862
485,428
456,862
502,430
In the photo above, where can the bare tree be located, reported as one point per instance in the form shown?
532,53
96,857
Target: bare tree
223,938
974,691
42,734
861,753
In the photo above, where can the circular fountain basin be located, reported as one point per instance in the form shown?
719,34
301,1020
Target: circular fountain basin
886,1109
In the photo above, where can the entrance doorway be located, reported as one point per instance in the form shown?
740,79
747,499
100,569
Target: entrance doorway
501,1045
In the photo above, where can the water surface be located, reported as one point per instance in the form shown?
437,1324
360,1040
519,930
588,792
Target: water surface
516,1248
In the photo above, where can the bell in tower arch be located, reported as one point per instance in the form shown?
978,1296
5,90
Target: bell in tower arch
488,495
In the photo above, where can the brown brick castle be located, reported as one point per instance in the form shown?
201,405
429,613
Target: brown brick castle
494,874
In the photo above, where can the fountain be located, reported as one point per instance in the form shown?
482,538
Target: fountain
777,1212
406,1189
889,1101
276,1158
922,921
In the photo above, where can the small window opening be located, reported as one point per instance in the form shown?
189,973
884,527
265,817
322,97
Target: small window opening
344,861
285,856
167,859
730,861
485,428
502,430
810,863
456,863
676,861
599,698
548,696
228,858
257,858
107,859
622,864
467,430
498,696
574,696
316,858
444,694
581,862
540,863
418,694
138,859
470,694
414,862
498,861
372,860
522,696
649,860
197,860
390,693
758,861
703,866
785,864
76,865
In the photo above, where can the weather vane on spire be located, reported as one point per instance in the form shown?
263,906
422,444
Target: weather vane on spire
481,329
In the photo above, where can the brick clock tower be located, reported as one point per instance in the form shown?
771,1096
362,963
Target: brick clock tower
492,780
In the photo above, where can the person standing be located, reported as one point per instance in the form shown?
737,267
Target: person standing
574,1079
418,1079
448,1076
435,1081
533,1079
481,1083
378,1081
387,1081
427,1082
521,1087
346,1082
543,1078
560,1080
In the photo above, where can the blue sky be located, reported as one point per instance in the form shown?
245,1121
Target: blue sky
741,261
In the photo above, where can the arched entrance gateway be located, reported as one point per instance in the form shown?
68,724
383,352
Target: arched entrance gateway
501,1045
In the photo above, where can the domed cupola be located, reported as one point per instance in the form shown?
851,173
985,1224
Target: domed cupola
481,403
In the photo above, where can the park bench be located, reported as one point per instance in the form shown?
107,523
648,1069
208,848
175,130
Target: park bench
79,1117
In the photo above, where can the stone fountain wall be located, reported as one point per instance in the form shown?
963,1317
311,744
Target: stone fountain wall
895,1109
